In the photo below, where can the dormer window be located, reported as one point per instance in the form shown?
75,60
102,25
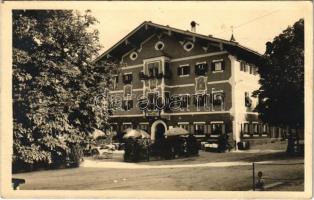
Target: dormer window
188,46
159,46
133,55
218,66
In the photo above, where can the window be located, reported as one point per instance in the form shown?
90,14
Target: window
242,66
184,125
218,98
199,128
127,105
127,78
200,99
167,101
218,66
133,55
217,128
188,46
127,91
152,100
153,72
255,128
246,127
153,68
251,69
265,128
183,70
185,100
126,126
246,67
115,81
159,45
201,68
143,126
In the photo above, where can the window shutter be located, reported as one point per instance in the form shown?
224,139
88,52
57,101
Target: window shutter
223,128
213,66
223,65
196,69
209,129
188,69
178,71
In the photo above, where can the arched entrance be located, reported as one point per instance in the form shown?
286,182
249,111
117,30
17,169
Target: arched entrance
158,130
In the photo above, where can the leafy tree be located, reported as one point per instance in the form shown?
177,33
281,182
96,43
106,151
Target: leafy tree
55,83
281,95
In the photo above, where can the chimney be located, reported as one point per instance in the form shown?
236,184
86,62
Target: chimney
193,26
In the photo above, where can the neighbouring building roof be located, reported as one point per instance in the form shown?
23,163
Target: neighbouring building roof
148,28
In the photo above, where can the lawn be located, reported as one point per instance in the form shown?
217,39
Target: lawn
232,178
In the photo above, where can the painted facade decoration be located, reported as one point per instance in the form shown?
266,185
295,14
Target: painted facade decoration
179,78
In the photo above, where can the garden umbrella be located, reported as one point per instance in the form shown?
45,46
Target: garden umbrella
135,133
176,131
97,133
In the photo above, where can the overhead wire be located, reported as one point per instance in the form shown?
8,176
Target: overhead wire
247,22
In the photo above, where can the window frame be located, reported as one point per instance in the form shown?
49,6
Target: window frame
188,43
133,53
181,69
158,43
214,62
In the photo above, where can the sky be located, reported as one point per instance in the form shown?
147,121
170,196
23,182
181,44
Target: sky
254,23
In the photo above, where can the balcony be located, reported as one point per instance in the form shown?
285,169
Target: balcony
161,75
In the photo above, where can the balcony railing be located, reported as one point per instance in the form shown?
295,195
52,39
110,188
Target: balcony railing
143,76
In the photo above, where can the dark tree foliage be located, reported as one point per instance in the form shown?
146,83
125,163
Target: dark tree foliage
281,95
55,83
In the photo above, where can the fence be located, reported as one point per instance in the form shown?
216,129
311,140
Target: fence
267,175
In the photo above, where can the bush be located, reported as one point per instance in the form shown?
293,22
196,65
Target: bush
136,150
75,156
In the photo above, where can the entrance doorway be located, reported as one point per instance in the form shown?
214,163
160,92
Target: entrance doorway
158,130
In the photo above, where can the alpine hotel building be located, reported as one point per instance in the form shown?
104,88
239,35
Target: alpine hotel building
212,78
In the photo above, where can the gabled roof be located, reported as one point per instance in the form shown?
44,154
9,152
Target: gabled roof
148,28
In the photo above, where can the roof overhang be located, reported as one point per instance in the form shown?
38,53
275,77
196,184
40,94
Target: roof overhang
145,30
